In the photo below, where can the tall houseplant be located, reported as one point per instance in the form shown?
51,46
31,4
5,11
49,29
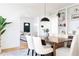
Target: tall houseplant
3,24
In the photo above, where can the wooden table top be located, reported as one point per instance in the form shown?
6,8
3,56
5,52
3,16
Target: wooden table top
58,39
54,44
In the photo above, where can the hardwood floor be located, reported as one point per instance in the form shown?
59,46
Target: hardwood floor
23,45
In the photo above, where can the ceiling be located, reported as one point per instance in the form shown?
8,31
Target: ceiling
37,9
49,6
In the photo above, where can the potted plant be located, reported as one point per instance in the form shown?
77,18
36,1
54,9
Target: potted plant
3,24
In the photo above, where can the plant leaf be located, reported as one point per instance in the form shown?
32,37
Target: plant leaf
8,22
3,26
3,23
3,31
2,20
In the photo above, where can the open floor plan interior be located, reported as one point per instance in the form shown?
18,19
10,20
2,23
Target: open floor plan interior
39,29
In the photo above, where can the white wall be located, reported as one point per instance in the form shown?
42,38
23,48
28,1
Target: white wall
13,13
11,37
22,20
54,25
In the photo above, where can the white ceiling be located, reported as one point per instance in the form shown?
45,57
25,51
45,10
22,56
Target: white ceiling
49,6
56,6
39,6
37,9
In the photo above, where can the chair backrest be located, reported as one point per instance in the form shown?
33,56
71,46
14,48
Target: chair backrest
30,42
37,44
74,50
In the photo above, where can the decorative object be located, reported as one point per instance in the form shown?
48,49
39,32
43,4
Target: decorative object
46,32
3,24
58,14
75,14
42,26
74,32
62,22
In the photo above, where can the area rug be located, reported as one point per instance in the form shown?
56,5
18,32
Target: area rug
18,53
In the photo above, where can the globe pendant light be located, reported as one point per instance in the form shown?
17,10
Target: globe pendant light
44,18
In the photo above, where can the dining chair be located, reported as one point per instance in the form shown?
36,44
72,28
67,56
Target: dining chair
30,44
72,51
39,49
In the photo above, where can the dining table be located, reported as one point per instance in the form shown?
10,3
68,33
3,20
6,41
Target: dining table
57,44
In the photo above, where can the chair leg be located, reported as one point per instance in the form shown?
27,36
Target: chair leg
28,51
35,54
32,52
42,55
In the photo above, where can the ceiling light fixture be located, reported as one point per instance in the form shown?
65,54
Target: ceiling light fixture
44,18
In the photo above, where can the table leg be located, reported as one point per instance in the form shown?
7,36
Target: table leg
54,49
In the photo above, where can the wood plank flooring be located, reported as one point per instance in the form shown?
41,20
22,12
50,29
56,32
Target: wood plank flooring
23,45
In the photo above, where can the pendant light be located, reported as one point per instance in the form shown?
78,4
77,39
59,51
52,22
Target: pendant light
45,18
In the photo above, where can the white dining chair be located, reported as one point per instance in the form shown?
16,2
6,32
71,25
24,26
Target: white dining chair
39,48
72,51
30,44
